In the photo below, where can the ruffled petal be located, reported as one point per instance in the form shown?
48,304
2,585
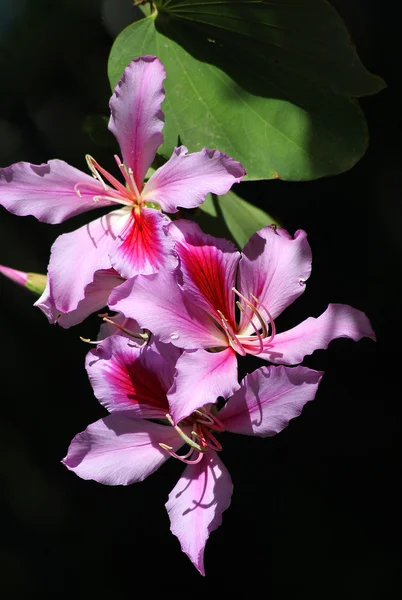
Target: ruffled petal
186,179
157,303
209,267
339,320
268,398
196,504
274,268
48,191
136,116
201,378
124,378
119,450
76,257
143,245
96,297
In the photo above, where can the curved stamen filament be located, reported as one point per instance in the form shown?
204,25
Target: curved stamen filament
185,437
258,334
271,320
213,442
210,420
96,169
254,310
89,341
128,176
233,341
183,458
138,336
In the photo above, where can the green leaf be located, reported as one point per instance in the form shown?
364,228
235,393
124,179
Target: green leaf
231,217
232,84
303,37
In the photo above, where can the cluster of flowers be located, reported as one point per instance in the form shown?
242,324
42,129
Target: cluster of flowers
187,307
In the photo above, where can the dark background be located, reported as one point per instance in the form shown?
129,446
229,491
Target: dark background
315,510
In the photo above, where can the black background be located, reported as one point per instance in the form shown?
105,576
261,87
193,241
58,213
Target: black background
315,510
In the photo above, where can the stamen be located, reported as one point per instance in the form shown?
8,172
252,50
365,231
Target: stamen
169,448
138,336
96,168
185,437
212,422
88,341
182,458
258,334
271,320
118,200
213,443
128,176
233,341
133,184
87,185
255,311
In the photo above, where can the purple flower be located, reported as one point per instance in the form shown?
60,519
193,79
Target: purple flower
126,447
195,309
88,263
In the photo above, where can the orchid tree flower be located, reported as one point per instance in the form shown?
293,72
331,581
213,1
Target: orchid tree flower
195,309
132,239
128,445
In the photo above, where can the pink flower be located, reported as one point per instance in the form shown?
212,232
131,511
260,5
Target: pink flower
195,309
126,447
132,239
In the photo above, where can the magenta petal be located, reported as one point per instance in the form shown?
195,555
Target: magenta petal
339,320
186,179
118,450
196,504
268,398
96,295
157,303
124,377
76,257
136,116
209,267
144,246
201,377
47,191
274,268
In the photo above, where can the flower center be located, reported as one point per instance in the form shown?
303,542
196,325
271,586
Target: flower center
260,333
201,438
127,194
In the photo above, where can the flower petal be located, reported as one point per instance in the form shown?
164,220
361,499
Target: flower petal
339,320
209,267
119,450
96,295
48,191
143,245
268,398
158,304
196,504
274,268
76,257
124,377
136,117
201,377
186,179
